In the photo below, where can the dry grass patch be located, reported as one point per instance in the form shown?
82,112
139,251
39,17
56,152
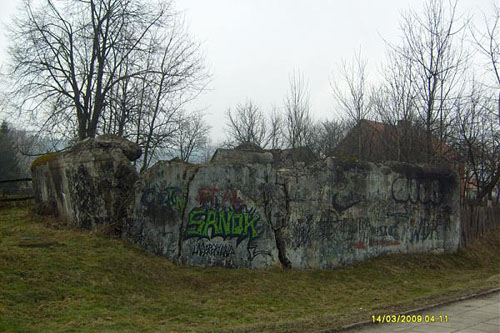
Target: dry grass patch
81,281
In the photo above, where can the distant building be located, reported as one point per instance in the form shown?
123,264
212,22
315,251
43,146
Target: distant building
404,142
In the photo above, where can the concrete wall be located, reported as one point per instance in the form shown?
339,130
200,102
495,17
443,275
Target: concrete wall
244,211
89,184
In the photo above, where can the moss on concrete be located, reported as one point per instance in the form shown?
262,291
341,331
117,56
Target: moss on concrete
42,160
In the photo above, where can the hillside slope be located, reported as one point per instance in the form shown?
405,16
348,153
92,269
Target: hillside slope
56,279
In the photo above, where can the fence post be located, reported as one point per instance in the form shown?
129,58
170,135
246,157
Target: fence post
475,221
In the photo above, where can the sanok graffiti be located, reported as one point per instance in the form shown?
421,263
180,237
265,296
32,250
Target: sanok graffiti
222,213
213,222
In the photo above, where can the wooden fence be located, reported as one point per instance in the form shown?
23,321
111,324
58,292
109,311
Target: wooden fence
15,193
476,221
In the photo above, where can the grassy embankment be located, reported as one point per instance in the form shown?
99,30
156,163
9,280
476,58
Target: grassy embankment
56,279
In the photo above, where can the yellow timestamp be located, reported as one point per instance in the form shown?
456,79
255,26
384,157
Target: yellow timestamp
414,318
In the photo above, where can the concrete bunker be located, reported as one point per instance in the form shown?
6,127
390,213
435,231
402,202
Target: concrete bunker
255,209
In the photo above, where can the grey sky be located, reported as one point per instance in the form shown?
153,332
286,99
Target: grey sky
251,46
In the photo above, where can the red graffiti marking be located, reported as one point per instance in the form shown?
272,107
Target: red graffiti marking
359,245
232,197
214,195
206,194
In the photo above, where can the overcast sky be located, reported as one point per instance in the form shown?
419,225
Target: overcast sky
252,46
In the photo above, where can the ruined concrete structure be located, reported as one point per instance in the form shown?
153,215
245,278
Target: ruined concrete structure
245,209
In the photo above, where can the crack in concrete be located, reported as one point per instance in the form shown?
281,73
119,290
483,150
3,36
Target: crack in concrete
278,234
183,215
268,193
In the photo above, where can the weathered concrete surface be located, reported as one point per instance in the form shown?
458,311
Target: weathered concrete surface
341,212
89,184
159,207
204,215
242,156
246,210
329,214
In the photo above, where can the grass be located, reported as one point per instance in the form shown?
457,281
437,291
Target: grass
55,279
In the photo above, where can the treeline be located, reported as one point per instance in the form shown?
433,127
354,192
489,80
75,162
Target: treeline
129,67
438,102
126,67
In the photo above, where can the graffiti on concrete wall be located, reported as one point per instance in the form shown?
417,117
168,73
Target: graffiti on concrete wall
213,196
342,201
220,217
411,190
222,222
222,213
427,228
170,197
207,249
302,232
362,232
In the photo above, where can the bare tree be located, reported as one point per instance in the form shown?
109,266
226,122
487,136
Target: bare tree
432,46
328,134
488,44
275,136
394,104
171,84
208,150
246,125
351,92
298,122
122,103
191,137
75,61
478,139
477,131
